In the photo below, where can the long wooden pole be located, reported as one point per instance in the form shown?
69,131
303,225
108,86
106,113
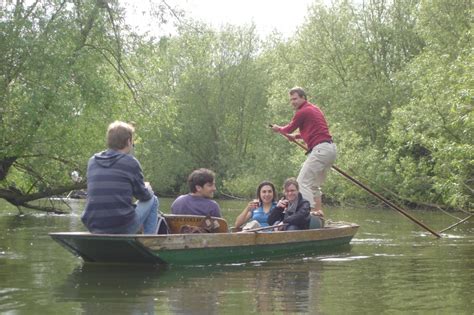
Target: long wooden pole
387,202
264,228
456,224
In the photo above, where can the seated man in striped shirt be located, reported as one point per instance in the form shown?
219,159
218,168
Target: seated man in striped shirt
114,177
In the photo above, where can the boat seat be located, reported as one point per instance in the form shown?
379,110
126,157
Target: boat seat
176,221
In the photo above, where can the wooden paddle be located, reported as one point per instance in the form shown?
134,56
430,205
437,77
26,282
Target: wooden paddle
387,202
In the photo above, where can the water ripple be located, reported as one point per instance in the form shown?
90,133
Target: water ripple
10,290
454,236
350,258
10,255
371,240
389,255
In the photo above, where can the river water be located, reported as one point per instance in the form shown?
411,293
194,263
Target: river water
391,267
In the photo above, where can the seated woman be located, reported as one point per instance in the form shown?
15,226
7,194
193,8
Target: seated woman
293,210
258,210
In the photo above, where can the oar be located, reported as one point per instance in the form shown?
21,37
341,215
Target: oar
265,228
387,202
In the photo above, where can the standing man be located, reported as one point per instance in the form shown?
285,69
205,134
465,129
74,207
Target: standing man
114,177
199,201
314,131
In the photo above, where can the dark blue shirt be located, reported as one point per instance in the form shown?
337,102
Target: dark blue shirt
113,179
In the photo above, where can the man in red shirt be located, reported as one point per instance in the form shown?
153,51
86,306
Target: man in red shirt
314,131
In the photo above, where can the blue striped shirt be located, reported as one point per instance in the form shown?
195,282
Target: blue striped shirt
113,179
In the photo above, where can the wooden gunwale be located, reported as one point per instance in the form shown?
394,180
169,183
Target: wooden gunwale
205,240
188,241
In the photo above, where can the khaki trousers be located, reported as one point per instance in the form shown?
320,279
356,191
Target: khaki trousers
315,169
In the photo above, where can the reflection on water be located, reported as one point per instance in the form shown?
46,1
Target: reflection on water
110,290
391,267
204,290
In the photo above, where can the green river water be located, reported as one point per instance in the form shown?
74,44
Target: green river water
391,267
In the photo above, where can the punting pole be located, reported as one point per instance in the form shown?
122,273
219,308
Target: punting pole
386,201
456,224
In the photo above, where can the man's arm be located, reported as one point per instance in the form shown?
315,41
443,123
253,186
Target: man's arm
292,126
141,190
300,216
216,212
275,215
290,137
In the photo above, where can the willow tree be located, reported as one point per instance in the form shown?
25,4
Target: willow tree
61,81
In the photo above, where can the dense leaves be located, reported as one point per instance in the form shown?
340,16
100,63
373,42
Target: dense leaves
60,87
394,79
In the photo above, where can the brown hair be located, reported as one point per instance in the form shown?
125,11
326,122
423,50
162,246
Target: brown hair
118,134
200,177
291,181
266,183
298,90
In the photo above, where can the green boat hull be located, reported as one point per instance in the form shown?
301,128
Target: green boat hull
255,253
197,249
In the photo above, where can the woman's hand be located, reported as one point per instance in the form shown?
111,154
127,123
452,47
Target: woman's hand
252,205
319,213
246,213
279,227
283,203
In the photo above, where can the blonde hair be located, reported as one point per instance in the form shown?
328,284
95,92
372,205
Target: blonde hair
291,181
118,134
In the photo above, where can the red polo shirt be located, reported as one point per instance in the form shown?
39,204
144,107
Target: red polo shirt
309,119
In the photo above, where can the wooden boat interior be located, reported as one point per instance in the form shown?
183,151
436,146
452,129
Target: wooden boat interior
176,222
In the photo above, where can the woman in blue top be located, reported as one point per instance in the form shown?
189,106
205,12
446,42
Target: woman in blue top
259,209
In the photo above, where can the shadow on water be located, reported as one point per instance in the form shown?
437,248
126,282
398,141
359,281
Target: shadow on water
103,289
285,285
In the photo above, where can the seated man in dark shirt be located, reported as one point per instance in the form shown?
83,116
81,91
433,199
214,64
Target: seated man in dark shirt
199,201
114,178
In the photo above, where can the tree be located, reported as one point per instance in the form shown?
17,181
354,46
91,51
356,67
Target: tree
59,84
215,92
431,135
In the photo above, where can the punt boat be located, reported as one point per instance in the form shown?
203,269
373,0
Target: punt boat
221,246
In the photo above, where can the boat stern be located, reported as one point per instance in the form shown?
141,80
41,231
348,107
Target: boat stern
106,248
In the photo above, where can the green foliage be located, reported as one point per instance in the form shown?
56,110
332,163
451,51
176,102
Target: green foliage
395,83
394,79
60,87
217,102
431,136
